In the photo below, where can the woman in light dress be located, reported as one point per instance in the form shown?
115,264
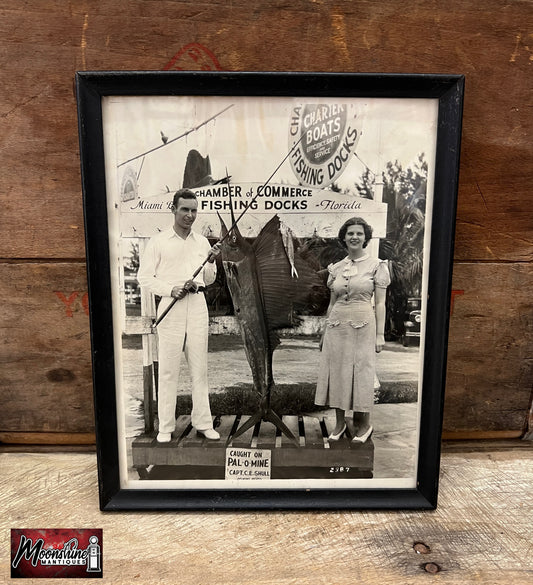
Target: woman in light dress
354,332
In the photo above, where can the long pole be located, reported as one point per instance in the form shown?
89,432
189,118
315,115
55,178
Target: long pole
174,139
198,270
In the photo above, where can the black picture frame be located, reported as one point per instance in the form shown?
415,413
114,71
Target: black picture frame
446,91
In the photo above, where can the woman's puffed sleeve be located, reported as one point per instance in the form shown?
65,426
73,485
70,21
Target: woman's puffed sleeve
332,273
382,275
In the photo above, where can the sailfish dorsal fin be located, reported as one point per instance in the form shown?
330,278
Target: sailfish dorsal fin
283,292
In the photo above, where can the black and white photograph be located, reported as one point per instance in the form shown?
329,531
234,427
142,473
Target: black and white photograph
266,287
269,262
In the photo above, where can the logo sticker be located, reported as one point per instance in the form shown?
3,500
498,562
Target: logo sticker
56,553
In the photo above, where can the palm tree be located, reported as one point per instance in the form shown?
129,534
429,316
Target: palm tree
404,191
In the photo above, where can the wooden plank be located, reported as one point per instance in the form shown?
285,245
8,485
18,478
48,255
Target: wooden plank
489,364
313,433
490,368
57,440
148,386
183,427
78,441
488,351
481,435
184,431
38,122
361,456
287,462
177,456
255,434
292,424
70,447
224,426
267,436
306,462
244,440
472,539
529,432
46,382
497,446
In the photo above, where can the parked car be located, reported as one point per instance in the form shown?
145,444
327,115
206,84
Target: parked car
412,321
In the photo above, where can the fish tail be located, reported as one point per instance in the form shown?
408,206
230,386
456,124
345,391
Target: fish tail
288,244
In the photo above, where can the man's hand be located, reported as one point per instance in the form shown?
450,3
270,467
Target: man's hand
190,286
178,292
380,342
214,252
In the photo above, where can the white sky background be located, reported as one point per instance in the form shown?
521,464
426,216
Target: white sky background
252,137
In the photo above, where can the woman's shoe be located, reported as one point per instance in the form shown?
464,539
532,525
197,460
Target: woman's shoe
363,438
336,437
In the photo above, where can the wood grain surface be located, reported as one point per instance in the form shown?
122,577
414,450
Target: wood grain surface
46,370
489,43
46,375
480,532
490,355
46,353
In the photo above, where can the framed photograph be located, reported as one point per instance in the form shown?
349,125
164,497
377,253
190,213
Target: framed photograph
269,260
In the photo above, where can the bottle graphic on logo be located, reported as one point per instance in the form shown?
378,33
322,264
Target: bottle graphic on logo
93,560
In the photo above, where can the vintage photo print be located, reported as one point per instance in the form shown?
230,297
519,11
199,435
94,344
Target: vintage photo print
269,260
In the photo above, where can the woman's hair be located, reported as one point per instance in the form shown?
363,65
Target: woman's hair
355,221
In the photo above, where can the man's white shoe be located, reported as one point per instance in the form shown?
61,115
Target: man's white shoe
210,434
164,437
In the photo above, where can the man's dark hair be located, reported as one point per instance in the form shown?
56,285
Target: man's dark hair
183,194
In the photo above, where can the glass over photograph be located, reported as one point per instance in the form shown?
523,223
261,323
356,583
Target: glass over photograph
269,262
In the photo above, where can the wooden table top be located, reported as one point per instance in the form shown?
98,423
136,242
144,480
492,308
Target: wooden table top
480,533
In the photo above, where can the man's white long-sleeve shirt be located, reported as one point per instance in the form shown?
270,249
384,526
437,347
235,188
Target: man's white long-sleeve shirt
170,261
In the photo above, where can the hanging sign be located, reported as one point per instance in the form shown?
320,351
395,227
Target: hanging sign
329,134
248,463
128,186
305,210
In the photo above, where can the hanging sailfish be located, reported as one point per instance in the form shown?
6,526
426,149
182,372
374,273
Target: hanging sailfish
268,280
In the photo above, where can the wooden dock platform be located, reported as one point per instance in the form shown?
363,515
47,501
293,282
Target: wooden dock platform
189,455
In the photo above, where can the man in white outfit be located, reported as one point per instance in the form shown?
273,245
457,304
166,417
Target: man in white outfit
169,260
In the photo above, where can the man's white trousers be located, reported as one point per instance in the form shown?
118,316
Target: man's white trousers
183,330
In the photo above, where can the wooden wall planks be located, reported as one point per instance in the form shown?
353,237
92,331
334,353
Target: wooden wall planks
489,356
43,42
46,375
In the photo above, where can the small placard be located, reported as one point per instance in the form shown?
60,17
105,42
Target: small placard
248,463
